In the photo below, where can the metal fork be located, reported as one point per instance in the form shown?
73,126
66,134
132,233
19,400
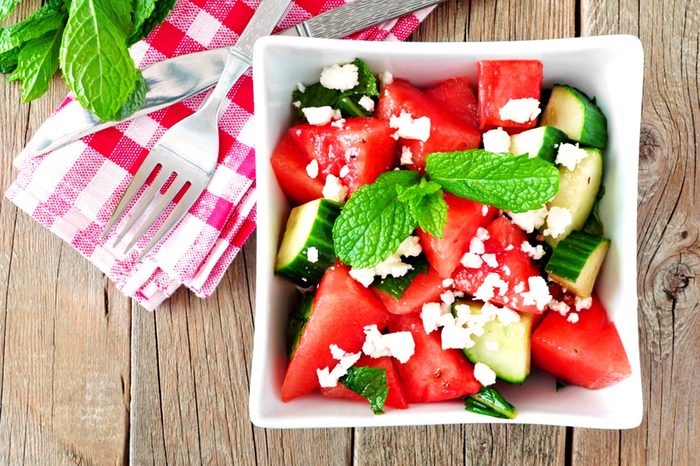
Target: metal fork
189,150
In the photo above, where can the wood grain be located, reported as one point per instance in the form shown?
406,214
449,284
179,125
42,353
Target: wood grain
87,377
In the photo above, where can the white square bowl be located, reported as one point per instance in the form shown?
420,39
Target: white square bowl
607,67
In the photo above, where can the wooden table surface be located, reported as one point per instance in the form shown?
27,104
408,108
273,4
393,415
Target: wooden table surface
88,377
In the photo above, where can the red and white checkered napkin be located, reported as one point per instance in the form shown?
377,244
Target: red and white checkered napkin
73,190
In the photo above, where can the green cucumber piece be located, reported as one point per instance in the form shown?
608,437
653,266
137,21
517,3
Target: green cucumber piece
490,403
572,112
396,286
309,226
576,261
578,191
511,360
539,142
297,323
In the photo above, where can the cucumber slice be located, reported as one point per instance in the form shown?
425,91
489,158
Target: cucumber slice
297,323
578,191
538,142
572,112
309,226
576,261
490,403
505,348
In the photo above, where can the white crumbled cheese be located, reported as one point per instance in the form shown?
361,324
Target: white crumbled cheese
448,282
490,260
471,261
486,291
507,316
492,345
344,171
520,110
559,306
529,220
406,156
340,123
456,337
482,234
312,169
484,210
558,219
484,374
448,297
409,128
340,77
329,378
399,345
569,155
325,379
334,189
583,303
496,140
297,104
506,270
374,345
538,293
318,116
392,265
536,252
519,287
572,317
430,314
509,247
301,87
385,77
367,103
476,246
337,115
312,254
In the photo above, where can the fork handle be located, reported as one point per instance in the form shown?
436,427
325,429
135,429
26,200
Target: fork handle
236,64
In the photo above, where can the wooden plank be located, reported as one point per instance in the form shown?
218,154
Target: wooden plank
669,251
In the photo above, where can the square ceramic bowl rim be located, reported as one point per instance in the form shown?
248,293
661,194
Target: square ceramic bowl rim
265,178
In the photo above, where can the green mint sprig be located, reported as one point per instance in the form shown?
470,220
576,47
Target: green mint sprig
370,383
379,216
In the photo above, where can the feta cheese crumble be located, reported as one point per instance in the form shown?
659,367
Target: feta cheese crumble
569,155
399,345
559,306
318,116
312,169
392,265
312,254
448,282
506,270
538,293
536,252
520,110
476,246
583,303
340,123
344,171
340,77
301,87
482,234
496,140
448,297
406,156
558,219
385,77
490,260
572,318
296,104
367,103
484,374
329,378
456,337
334,189
484,210
471,261
486,291
409,128
431,314
529,220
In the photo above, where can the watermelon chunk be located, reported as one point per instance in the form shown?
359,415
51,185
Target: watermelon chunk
341,309
447,132
588,353
457,96
289,164
423,289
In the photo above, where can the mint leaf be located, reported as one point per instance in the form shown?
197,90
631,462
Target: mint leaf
315,96
349,106
416,191
143,9
160,11
490,403
46,19
95,61
396,286
369,382
431,213
36,64
366,82
6,7
515,183
8,60
135,100
374,222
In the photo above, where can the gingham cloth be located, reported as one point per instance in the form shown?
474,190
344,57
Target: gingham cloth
73,190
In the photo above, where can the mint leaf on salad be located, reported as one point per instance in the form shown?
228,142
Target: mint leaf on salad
490,402
431,213
508,182
369,382
374,222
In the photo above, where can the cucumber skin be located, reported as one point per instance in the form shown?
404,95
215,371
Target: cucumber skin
594,128
570,256
320,237
552,137
297,323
